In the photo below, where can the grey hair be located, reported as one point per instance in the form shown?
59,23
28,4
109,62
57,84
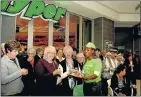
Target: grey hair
32,50
80,55
38,50
47,49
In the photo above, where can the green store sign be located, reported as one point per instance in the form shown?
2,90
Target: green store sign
32,9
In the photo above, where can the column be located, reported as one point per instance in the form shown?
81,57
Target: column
30,34
80,32
67,29
104,32
8,28
92,33
50,33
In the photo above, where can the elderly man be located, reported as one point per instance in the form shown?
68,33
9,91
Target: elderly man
92,72
39,54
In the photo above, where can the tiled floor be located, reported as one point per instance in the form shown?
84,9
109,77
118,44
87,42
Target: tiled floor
138,87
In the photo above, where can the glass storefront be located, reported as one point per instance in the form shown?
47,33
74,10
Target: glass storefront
41,31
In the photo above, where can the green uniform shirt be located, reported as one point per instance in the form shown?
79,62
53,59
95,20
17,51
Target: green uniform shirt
91,67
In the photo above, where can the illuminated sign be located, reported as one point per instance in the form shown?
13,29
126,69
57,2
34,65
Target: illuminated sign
32,9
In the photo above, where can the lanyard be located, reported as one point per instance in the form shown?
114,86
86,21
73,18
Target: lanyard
68,66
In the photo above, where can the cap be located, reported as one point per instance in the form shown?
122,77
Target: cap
90,45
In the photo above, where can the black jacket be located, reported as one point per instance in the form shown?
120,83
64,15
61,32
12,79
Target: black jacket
114,85
131,76
66,91
29,79
114,82
36,59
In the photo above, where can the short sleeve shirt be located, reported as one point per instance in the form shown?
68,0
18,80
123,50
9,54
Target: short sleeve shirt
91,67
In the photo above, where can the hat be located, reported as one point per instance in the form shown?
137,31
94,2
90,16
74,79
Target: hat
90,45
113,50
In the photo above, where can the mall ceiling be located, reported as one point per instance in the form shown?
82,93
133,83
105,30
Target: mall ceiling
127,7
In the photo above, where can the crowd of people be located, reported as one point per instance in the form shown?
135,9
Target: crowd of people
48,72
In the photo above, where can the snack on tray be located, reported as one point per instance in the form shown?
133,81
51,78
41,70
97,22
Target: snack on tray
76,73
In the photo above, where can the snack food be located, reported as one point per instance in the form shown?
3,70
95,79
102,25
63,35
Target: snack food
76,73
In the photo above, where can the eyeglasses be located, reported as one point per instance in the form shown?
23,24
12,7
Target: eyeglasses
79,57
51,53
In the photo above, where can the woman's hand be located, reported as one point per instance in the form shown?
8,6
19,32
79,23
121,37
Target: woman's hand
134,86
24,71
112,69
57,71
59,80
29,59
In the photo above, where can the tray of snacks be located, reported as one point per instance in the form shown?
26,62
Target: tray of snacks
75,73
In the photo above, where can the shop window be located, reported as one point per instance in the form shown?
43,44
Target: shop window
59,33
86,31
22,31
40,33
74,31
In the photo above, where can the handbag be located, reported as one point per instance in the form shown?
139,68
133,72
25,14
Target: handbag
107,74
78,90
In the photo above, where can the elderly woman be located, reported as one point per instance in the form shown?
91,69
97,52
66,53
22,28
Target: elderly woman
47,73
11,72
81,59
28,63
68,82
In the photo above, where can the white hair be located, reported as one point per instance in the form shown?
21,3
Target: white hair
47,49
120,57
32,50
67,48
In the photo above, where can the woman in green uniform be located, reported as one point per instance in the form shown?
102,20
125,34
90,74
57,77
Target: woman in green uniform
92,72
